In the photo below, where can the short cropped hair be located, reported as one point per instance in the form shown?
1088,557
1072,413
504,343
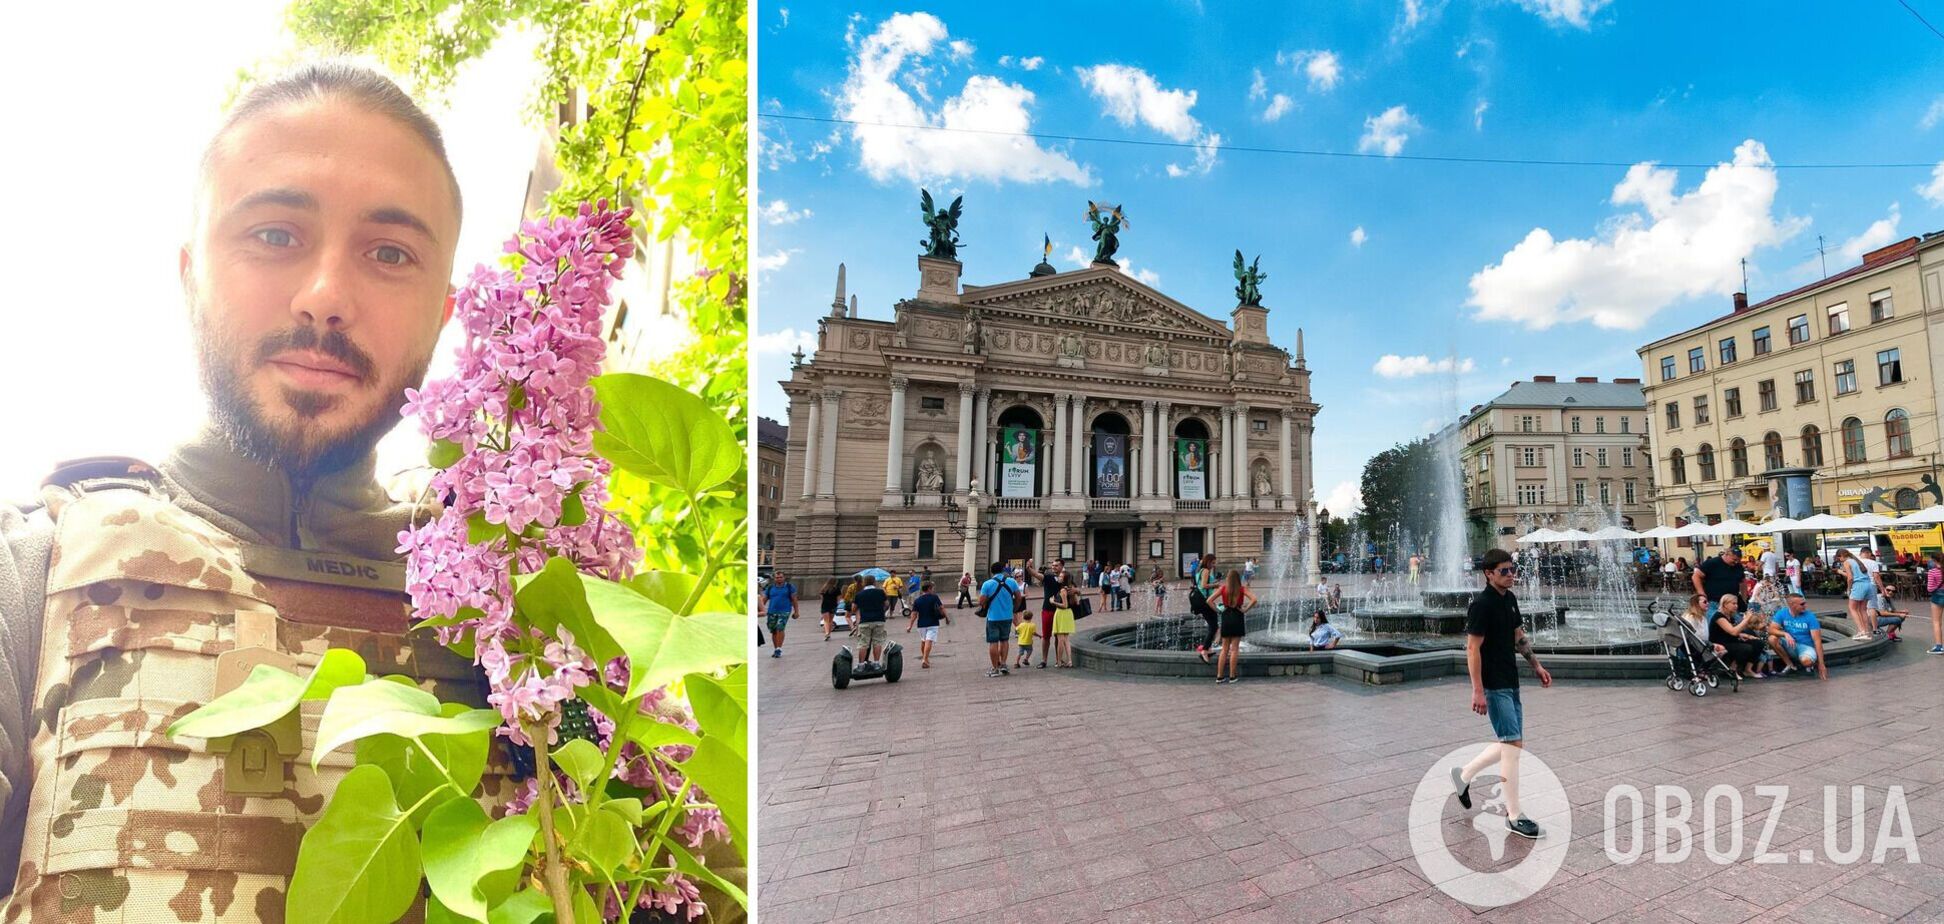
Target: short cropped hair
336,78
1494,558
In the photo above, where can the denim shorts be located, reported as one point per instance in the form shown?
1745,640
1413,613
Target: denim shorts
1507,715
997,630
1938,597
1861,590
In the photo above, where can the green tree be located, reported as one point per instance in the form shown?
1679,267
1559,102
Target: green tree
666,86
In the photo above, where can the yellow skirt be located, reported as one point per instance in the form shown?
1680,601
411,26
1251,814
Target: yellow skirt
1063,622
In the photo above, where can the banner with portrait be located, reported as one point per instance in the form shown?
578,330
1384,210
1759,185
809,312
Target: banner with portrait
1110,464
1018,461
1191,469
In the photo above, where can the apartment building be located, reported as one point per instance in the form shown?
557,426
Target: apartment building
1547,452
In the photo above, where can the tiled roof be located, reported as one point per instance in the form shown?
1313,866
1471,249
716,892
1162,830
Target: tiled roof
772,434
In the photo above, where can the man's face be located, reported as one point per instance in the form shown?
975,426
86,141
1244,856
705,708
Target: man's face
1502,575
316,277
1797,605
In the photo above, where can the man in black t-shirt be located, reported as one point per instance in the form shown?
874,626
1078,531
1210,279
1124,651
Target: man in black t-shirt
1493,632
869,605
1718,577
1055,583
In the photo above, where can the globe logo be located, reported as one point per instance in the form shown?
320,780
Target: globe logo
1491,883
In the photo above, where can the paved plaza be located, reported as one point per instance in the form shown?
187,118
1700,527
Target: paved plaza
1066,796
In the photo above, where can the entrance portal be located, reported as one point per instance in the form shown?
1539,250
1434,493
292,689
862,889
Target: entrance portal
1110,545
1191,543
1015,545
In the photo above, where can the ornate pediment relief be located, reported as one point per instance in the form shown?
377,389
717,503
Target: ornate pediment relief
1108,299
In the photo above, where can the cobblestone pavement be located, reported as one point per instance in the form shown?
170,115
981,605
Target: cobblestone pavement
1065,796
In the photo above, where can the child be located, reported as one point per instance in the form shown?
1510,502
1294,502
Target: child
1160,590
926,613
1025,633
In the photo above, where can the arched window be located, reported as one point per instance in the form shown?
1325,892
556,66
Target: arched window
1738,457
1772,451
1853,441
1704,460
1678,463
1896,432
1811,446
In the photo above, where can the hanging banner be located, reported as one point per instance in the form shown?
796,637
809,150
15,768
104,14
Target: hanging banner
1110,464
1019,461
1191,469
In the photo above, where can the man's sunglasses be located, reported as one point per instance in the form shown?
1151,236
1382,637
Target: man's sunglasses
1506,571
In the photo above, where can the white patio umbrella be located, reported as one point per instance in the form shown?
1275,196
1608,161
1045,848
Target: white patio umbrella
1538,535
1606,533
1822,521
1778,525
1697,528
1574,535
1924,517
1869,521
1660,532
1730,527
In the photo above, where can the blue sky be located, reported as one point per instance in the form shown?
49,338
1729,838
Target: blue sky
1422,287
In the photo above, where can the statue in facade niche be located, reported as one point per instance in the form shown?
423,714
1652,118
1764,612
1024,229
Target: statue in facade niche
1262,487
1157,356
943,240
1248,281
1107,223
930,479
971,330
1071,346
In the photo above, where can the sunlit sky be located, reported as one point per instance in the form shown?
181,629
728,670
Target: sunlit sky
1422,286
108,106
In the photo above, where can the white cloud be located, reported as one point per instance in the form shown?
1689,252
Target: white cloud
1078,257
783,342
1279,106
1478,115
1129,94
1084,258
1413,13
1031,64
1572,12
778,212
1344,499
783,14
1933,191
988,117
961,49
1205,151
1258,85
1388,132
1320,66
1393,366
1357,236
1880,232
1932,115
775,260
1684,246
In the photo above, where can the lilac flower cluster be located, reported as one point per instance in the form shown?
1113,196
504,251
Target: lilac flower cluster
522,413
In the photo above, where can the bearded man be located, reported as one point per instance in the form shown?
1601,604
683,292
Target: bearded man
316,278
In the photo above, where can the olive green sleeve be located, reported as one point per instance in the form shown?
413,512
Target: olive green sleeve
25,541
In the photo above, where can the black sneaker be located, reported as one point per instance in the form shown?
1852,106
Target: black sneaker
1524,827
1006,672
992,673
1464,788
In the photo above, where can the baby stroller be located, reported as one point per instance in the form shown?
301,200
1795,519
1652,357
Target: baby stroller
1692,662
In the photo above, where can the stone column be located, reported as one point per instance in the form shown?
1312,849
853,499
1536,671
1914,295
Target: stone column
1239,463
1150,448
971,561
1060,425
962,464
1228,453
894,446
1164,485
1285,486
1078,458
811,454
833,399
981,441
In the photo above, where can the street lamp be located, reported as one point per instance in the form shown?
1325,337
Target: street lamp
955,517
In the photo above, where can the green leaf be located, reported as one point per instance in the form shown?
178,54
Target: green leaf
269,694
585,909
719,710
464,847
672,588
689,865
573,510
360,862
723,775
664,433
382,706
661,646
604,840
444,453
653,734
555,597
413,775
629,809
581,761
479,531
523,907
436,913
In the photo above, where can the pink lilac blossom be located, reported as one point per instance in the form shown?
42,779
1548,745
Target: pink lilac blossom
521,410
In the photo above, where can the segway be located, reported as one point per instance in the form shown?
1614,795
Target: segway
844,669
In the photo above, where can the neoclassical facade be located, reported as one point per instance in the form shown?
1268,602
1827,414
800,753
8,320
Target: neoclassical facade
1081,413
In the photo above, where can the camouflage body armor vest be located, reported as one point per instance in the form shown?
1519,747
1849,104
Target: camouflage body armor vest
143,601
